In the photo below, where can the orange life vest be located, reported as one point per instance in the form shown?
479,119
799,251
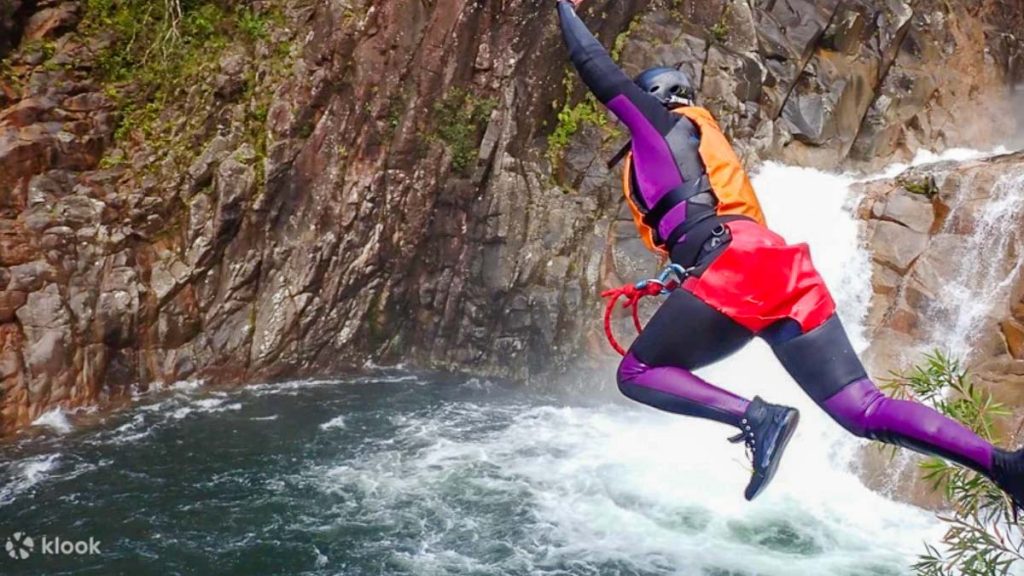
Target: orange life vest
728,179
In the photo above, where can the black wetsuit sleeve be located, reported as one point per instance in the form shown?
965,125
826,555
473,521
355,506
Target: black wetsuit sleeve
604,78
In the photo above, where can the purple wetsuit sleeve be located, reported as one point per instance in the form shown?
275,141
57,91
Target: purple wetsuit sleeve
605,79
863,409
650,150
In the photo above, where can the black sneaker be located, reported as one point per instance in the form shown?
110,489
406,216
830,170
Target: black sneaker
766,429
1008,474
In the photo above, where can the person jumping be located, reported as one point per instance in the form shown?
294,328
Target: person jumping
692,201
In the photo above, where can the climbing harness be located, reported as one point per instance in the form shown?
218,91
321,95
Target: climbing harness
662,285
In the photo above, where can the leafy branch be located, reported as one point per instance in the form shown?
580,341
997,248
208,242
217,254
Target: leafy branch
981,538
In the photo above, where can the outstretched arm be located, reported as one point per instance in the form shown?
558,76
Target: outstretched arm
638,110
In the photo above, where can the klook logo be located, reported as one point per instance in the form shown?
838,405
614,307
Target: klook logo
20,546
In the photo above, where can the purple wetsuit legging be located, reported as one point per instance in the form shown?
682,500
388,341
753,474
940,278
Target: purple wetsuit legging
687,334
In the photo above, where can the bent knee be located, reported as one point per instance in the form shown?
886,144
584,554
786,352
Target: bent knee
629,369
853,406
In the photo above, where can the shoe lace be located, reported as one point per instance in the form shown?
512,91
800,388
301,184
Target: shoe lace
746,436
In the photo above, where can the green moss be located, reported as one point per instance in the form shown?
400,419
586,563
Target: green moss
253,24
570,120
112,160
620,40
353,15
925,186
395,111
459,120
720,31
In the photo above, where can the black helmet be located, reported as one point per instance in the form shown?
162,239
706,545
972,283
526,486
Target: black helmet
670,86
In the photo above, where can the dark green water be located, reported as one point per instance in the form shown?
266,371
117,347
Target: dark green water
398,474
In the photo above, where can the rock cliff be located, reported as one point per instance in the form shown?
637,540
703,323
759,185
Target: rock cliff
946,242
285,188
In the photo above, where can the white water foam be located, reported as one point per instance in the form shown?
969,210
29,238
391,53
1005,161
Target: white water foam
334,423
55,419
925,157
186,386
25,474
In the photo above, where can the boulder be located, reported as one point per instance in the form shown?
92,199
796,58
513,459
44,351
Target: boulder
10,301
1013,331
50,22
911,210
897,246
27,111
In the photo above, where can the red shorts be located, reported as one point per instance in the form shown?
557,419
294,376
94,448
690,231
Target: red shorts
759,280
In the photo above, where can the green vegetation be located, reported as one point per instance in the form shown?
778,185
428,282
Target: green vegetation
570,120
395,111
8,76
720,31
620,40
160,52
46,47
925,186
981,538
252,24
459,118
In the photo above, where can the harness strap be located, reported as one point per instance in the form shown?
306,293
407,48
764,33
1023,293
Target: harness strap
675,197
686,240
626,148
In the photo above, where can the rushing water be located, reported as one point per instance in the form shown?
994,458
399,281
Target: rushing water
981,282
403,473
407,474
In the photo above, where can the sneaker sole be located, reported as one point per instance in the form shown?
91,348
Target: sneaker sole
787,433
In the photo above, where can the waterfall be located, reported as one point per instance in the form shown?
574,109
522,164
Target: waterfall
987,263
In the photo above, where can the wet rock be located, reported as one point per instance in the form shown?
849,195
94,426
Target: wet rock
1013,331
911,210
897,246
47,339
179,321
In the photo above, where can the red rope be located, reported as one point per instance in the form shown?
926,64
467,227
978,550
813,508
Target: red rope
633,294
